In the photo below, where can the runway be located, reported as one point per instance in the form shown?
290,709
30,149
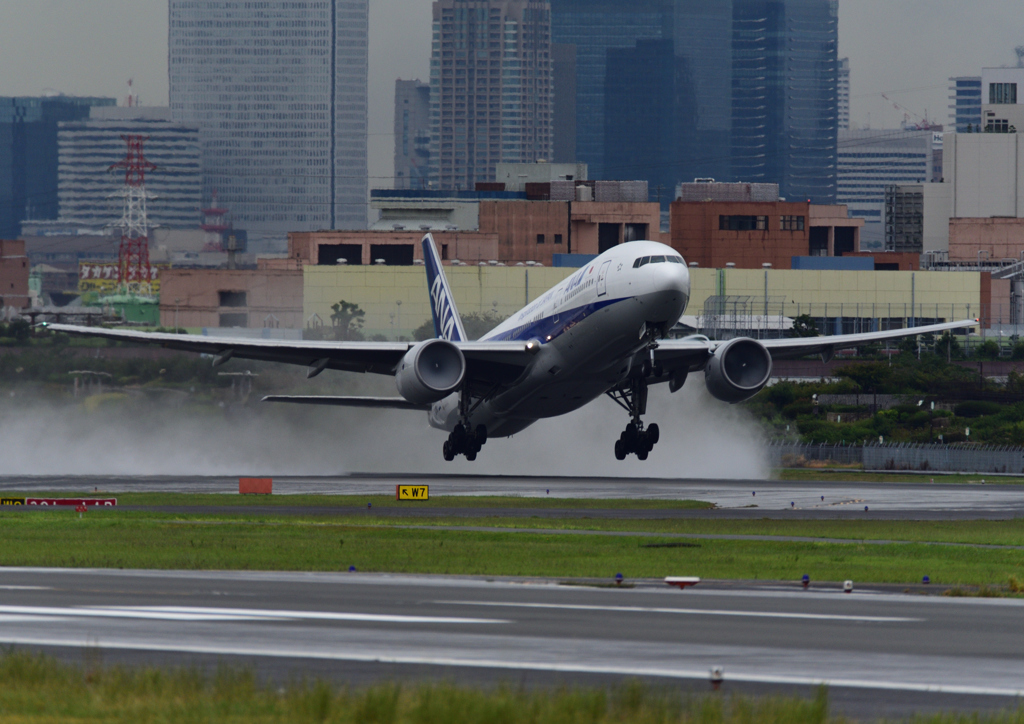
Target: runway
754,499
880,653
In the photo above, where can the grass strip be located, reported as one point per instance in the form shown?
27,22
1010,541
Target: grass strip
110,541
38,688
963,532
361,501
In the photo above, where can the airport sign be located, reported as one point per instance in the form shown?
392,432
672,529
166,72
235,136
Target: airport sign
411,492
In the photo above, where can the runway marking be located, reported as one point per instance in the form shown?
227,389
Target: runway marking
689,611
531,665
189,613
26,588
303,615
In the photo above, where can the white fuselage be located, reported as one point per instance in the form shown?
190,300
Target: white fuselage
589,327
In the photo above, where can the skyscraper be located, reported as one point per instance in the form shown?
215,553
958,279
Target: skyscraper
28,155
412,134
593,28
278,90
490,88
784,96
753,88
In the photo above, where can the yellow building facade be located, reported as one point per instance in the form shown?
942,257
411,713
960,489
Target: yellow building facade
395,299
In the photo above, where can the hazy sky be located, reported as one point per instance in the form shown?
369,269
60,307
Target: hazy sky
904,48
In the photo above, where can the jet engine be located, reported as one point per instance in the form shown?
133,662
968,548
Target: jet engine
430,371
738,370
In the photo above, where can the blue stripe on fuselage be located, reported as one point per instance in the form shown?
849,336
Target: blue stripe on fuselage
551,327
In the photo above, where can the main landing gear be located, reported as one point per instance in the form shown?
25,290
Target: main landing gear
635,439
463,441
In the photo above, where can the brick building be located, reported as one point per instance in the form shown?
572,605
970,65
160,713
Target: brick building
268,297
14,271
509,231
749,234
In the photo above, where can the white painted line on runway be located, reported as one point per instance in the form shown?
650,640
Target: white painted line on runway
688,611
103,612
255,613
26,588
381,657
189,613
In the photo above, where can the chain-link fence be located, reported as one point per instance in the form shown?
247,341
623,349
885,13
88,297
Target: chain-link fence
904,456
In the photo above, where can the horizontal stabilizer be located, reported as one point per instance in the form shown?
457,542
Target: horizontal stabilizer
380,403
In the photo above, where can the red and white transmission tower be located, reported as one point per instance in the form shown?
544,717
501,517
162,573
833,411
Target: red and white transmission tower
133,267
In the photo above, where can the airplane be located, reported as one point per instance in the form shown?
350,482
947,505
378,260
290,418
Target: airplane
601,331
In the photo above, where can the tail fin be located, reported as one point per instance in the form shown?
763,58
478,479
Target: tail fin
447,323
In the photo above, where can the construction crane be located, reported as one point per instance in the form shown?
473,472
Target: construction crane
922,123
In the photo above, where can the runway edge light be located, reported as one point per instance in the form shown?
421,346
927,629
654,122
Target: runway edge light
682,582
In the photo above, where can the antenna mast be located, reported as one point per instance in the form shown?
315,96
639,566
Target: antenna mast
134,273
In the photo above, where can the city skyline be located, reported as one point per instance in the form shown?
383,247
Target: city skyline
907,49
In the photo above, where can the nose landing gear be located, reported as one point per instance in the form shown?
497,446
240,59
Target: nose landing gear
464,441
635,439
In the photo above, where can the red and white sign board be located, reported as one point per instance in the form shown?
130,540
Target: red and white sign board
88,502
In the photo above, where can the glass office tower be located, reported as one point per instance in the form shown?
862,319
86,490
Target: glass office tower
749,90
278,90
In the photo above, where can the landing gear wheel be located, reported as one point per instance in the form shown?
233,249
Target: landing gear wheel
447,450
653,434
481,435
642,453
630,435
471,455
620,450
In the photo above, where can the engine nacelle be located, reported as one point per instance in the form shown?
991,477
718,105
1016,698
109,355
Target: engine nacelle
430,371
738,370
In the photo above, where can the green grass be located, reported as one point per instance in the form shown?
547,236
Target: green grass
38,688
378,501
834,475
108,539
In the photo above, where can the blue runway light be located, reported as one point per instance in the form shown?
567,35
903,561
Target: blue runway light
806,580
351,569
926,580
618,579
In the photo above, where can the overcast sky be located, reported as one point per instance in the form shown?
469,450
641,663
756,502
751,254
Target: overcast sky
904,48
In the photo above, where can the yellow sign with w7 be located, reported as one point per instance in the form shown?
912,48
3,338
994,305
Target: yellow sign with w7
411,492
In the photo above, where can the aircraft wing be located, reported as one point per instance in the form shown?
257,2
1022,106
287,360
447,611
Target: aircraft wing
487,363
373,403
693,352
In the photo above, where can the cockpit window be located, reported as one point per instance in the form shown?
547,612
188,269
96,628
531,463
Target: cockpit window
676,260
641,261
657,260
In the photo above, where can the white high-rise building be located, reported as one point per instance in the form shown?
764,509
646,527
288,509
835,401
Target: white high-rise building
87,187
843,94
278,89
